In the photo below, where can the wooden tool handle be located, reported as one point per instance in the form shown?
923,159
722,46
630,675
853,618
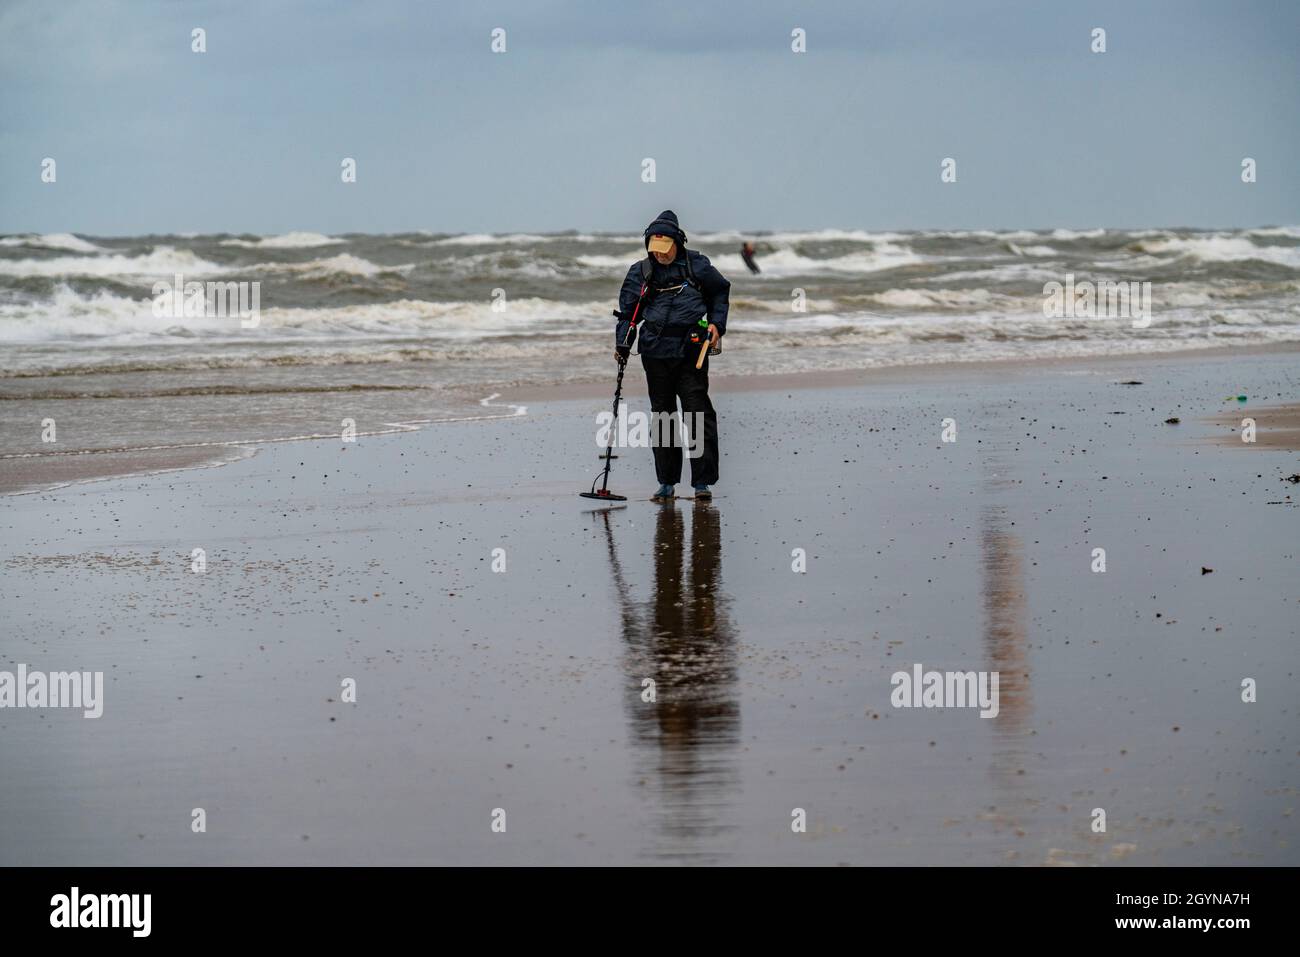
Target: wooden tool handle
704,351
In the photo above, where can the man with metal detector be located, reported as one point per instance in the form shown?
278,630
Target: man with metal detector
678,303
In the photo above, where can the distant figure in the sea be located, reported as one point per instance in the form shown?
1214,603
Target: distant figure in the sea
747,254
670,297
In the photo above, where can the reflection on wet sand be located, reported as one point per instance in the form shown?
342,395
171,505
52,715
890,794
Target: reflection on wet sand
676,631
1006,640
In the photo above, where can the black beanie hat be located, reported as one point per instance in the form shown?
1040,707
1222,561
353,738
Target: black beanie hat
665,224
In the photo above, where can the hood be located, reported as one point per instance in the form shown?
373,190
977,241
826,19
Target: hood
665,224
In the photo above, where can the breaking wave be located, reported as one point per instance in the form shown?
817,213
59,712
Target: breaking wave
287,241
161,262
66,242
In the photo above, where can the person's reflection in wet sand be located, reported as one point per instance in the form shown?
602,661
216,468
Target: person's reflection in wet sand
1006,644
1005,639
677,633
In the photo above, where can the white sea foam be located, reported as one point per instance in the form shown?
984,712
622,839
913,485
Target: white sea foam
941,298
788,238
784,263
105,318
987,295
1292,232
294,240
162,261
90,320
494,239
1007,272
515,264
1077,234
342,264
62,241
519,239
612,264
1032,250
1014,235
1221,248
399,333
779,304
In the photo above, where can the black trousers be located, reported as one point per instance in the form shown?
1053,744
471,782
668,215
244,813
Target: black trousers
669,380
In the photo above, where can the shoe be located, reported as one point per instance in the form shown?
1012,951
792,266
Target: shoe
664,494
702,494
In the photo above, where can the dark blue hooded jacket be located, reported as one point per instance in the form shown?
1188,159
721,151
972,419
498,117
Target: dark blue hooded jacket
673,307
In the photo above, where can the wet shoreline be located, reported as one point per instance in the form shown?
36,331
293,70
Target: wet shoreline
138,434
522,689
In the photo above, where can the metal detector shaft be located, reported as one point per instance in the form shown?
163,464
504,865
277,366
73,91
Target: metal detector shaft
618,395
605,494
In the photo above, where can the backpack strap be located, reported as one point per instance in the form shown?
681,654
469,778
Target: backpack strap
641,299
699,286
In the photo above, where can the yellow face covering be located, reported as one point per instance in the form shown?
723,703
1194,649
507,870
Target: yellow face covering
661,244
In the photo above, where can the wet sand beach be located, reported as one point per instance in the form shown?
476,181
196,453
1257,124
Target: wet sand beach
1275,426
515,679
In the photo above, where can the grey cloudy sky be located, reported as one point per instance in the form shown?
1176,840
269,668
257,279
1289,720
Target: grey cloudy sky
248,137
